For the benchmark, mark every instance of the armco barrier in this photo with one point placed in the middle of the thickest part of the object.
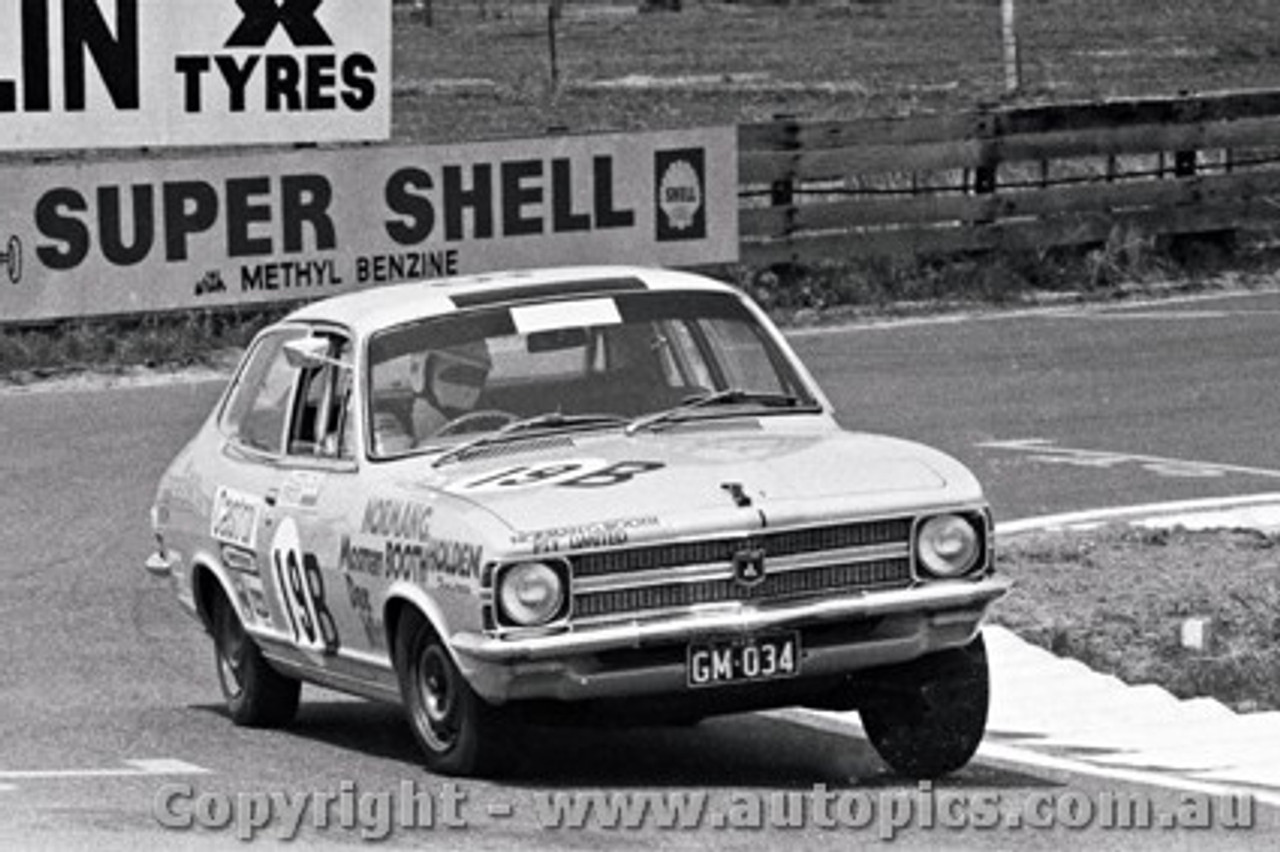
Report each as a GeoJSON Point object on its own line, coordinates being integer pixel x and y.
{"type": "Point", "coordinates": [999, 178]}
{"type": "Point", "coordinates": [1008, 177]}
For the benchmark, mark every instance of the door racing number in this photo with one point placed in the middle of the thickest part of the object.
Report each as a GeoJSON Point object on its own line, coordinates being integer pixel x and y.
{"type": "Point", "coordinates": [301, 589]}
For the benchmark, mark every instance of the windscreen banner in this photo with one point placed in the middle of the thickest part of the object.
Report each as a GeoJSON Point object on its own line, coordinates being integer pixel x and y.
{"type": "Point", "coordinates": [84, 74]}
{"type": "Point", "coordinates": [121, 237]}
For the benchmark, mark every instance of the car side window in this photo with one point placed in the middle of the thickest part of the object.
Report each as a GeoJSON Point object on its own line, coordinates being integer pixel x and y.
{"type": "Point", "coordinates": [320, 422]}
{"type": "Point", "coordinates": [259, 403]}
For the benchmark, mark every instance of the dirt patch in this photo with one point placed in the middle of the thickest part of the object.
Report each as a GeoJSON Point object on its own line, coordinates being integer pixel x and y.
{"type": "Point", "coordinates": [1117, 598]}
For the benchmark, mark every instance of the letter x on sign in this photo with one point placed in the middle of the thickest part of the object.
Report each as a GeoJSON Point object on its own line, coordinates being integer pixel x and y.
{"type": "Point", "coordinates": [297, 17]}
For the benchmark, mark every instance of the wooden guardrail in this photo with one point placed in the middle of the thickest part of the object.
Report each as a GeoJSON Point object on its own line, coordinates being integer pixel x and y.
{"type": "Point", "coordinates": [1008, 177]}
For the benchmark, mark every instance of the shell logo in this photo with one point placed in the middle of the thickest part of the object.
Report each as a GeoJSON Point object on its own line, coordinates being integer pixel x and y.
{"type": "Point", "coordinates": [680, 195]}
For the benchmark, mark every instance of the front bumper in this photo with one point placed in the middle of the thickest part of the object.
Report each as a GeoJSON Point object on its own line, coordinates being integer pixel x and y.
{"type": "Point", "coordinates": [886, 627]}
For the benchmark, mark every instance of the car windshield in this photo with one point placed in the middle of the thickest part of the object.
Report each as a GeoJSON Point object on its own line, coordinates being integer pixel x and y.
{"type": "Point", "coordinates": [639, 360]}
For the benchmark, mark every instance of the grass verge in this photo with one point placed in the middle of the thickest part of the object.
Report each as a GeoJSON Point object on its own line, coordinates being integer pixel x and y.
{"type": "Point", "coordinates": [113, 345]}
{"type": "Point", "coordinates": [1115, 598]}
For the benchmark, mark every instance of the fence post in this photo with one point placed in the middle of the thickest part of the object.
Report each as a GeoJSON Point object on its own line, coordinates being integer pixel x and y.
{"type": "Point", "coordinates": [553, 19]}
{"type": "Point", "coordinates": [425, 12]}
{"type": "Point", "coordinates": [782, 192]}
{"type": "Point", "coordinates": [1012, 64]}
{"type": "Point", "coordinates": [985, 175]}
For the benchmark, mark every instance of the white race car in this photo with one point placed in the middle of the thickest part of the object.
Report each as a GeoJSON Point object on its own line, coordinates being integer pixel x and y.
{"type": "Point", "coordinates": [589, 494]}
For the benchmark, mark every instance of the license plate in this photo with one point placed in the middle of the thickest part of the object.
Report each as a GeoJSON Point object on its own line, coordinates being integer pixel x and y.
{"type": "Point", "coordinates": [743, 659]}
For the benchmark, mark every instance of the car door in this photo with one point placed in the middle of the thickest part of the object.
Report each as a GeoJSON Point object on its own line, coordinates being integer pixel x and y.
{"type": "Point", "coordinates": [309, 513]}
{"type": "Point", "coordinates": [245, 472]}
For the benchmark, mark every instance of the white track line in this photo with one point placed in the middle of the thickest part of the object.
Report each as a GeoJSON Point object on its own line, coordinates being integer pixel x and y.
{"type": "Point", "coordinates": [1146, 510]}
{"type": "Point", "coordinates": [136, 768]}
{"type": "Point", "coordinates": [1016, 756]}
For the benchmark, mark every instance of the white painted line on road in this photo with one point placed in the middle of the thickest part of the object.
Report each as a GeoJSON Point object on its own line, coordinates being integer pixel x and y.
{"type": "Point", "coordinates": [1121, 314]}
{"type": "Point", "coordinates": [6, 788]}
{"type": "Point", "coordinates": [1046, 311]}
{"type": "Point", "coordinates": [136, 768]}
{"type": "Point", "coordinates": [1226, 774]}
{"type": "Point", "coordinates": [1145, 510]}
{"type": "Point", "coordinates": [1047, 452]}
{"type": "Point", "coordinates": [848, 723]}
{"type": "Point", "coordinates": [1130, 314]}
{"type": "Point", "coordinates": [1025, 757]}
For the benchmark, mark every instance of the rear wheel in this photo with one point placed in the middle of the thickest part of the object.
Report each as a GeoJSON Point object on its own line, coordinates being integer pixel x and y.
{"type": "Point", "coordinates": [257, 696]}
{"type": "Point", "coordinates": [933, 717]}
{"type": "Point", "coordinates": [458, 731]}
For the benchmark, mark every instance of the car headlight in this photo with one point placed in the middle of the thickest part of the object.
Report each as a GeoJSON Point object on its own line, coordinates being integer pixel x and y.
{"type": "Point", "coordinates": [948, 545]}
{"type": "Point", "coordinates": [530, 593]}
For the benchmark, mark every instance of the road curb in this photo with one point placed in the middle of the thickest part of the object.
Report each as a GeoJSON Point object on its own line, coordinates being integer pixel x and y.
{"type": "Point", "coordinates": [1055, 714]}
{"type": "Point", "coordinates": [1253, 511]}
{"type": "Point", "coordinates": [1130, 732]}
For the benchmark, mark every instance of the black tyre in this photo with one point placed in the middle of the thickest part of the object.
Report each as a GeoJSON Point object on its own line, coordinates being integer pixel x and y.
{"type": "Point", "coordinates": [458, 731]}
{"type": "Point", "coordinates": [933, 718]}
{"type": "Point", "coordinates": [257, 695]}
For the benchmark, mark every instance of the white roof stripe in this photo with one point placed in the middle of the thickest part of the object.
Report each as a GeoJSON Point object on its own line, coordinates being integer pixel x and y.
{"type": "Point", "coordinates": [377, 307]}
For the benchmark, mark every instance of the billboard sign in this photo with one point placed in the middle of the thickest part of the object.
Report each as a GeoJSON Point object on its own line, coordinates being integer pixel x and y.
{"type": "Point", "coordinates": [136, 73]}
{"type": "Point", "coordinates": [116, 237]}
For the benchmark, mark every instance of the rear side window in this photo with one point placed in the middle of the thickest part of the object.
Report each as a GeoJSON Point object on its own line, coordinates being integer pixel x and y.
{"type": "Point", "coordinates": [258, 406]}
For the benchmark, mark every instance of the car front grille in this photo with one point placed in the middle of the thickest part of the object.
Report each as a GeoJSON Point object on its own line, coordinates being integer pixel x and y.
{"type": "Point", "coordinates": [800, 563]}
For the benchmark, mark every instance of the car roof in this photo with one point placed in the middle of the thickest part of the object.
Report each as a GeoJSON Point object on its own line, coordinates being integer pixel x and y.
{"type": "Point", "coordinates": [367, 311]}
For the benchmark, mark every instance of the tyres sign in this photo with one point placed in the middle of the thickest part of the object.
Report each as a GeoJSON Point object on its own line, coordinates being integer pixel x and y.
{"type": "Point", "coordinates": [130, 73]}
{"type": "Point", "coordinates": [116, 236]}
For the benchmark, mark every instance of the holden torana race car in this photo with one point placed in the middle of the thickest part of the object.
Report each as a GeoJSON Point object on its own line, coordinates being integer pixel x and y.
{"type": "Point", "coordinates": [598, 494]}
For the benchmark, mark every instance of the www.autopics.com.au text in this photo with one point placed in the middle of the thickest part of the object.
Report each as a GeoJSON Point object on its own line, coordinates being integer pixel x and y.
{"type": "Point", "coordinates": [375, 815]}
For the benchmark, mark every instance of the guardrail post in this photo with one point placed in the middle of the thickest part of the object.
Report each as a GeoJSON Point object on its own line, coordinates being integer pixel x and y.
{"type": "Point", "coordinates": [782, 192]}
{"type": "Point", "coordinates": [985, 174]}
{"type": "Point", "coordinates": [1009, 36]}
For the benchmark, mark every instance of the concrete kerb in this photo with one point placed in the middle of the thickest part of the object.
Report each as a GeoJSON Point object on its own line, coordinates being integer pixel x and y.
{"type": "Point", "coordinates": [1137, 734]}
{"type": "Point", "coordinates": [1254, 511]}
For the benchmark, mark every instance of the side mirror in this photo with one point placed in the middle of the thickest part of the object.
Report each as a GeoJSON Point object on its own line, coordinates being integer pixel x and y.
{"type": "Point", "coordinates": [309, 352]}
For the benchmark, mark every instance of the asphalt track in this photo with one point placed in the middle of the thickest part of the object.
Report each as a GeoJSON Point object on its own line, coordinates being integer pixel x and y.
{"type": "Point", "coordinates": [107, 692]}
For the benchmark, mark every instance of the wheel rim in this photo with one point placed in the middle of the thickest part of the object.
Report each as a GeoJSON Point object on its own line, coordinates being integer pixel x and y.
{"type": "Point", "coordinates": [231, 646]}
{"type": "Point", "coordinates": [436, 690]}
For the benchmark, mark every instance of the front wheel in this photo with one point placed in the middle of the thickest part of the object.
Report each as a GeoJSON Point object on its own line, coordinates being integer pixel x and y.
{"type": "Point", "coordinates": [934, 714]}
{"type": "Point", "coordinates": [257, 696]}
{"type": "Point", "coordinates": [458, 731]}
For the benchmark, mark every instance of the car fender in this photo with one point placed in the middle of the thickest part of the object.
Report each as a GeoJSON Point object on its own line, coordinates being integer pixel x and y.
{"type": "Point", "coordinates": [412, 595]}
{"type": "Point", "coordinates": [206, 562]}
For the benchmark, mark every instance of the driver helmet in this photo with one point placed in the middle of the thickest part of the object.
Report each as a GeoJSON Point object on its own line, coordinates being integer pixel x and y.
{"type": "Point", "coordinates": [452, 378]}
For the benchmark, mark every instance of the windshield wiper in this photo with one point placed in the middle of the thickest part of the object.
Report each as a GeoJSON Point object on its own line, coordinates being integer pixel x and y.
{"type": "Point", "coordinates": [727, 396]}
{"type": "Point", "coordinates": [549, 419]}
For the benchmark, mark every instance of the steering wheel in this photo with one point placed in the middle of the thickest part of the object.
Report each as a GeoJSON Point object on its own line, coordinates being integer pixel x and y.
{"type": "Point", "coordinates": [467, 422]}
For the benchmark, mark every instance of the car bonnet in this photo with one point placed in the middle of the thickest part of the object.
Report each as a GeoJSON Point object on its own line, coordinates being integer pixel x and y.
{"type": "Point", "coordinates": [704, 480]}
